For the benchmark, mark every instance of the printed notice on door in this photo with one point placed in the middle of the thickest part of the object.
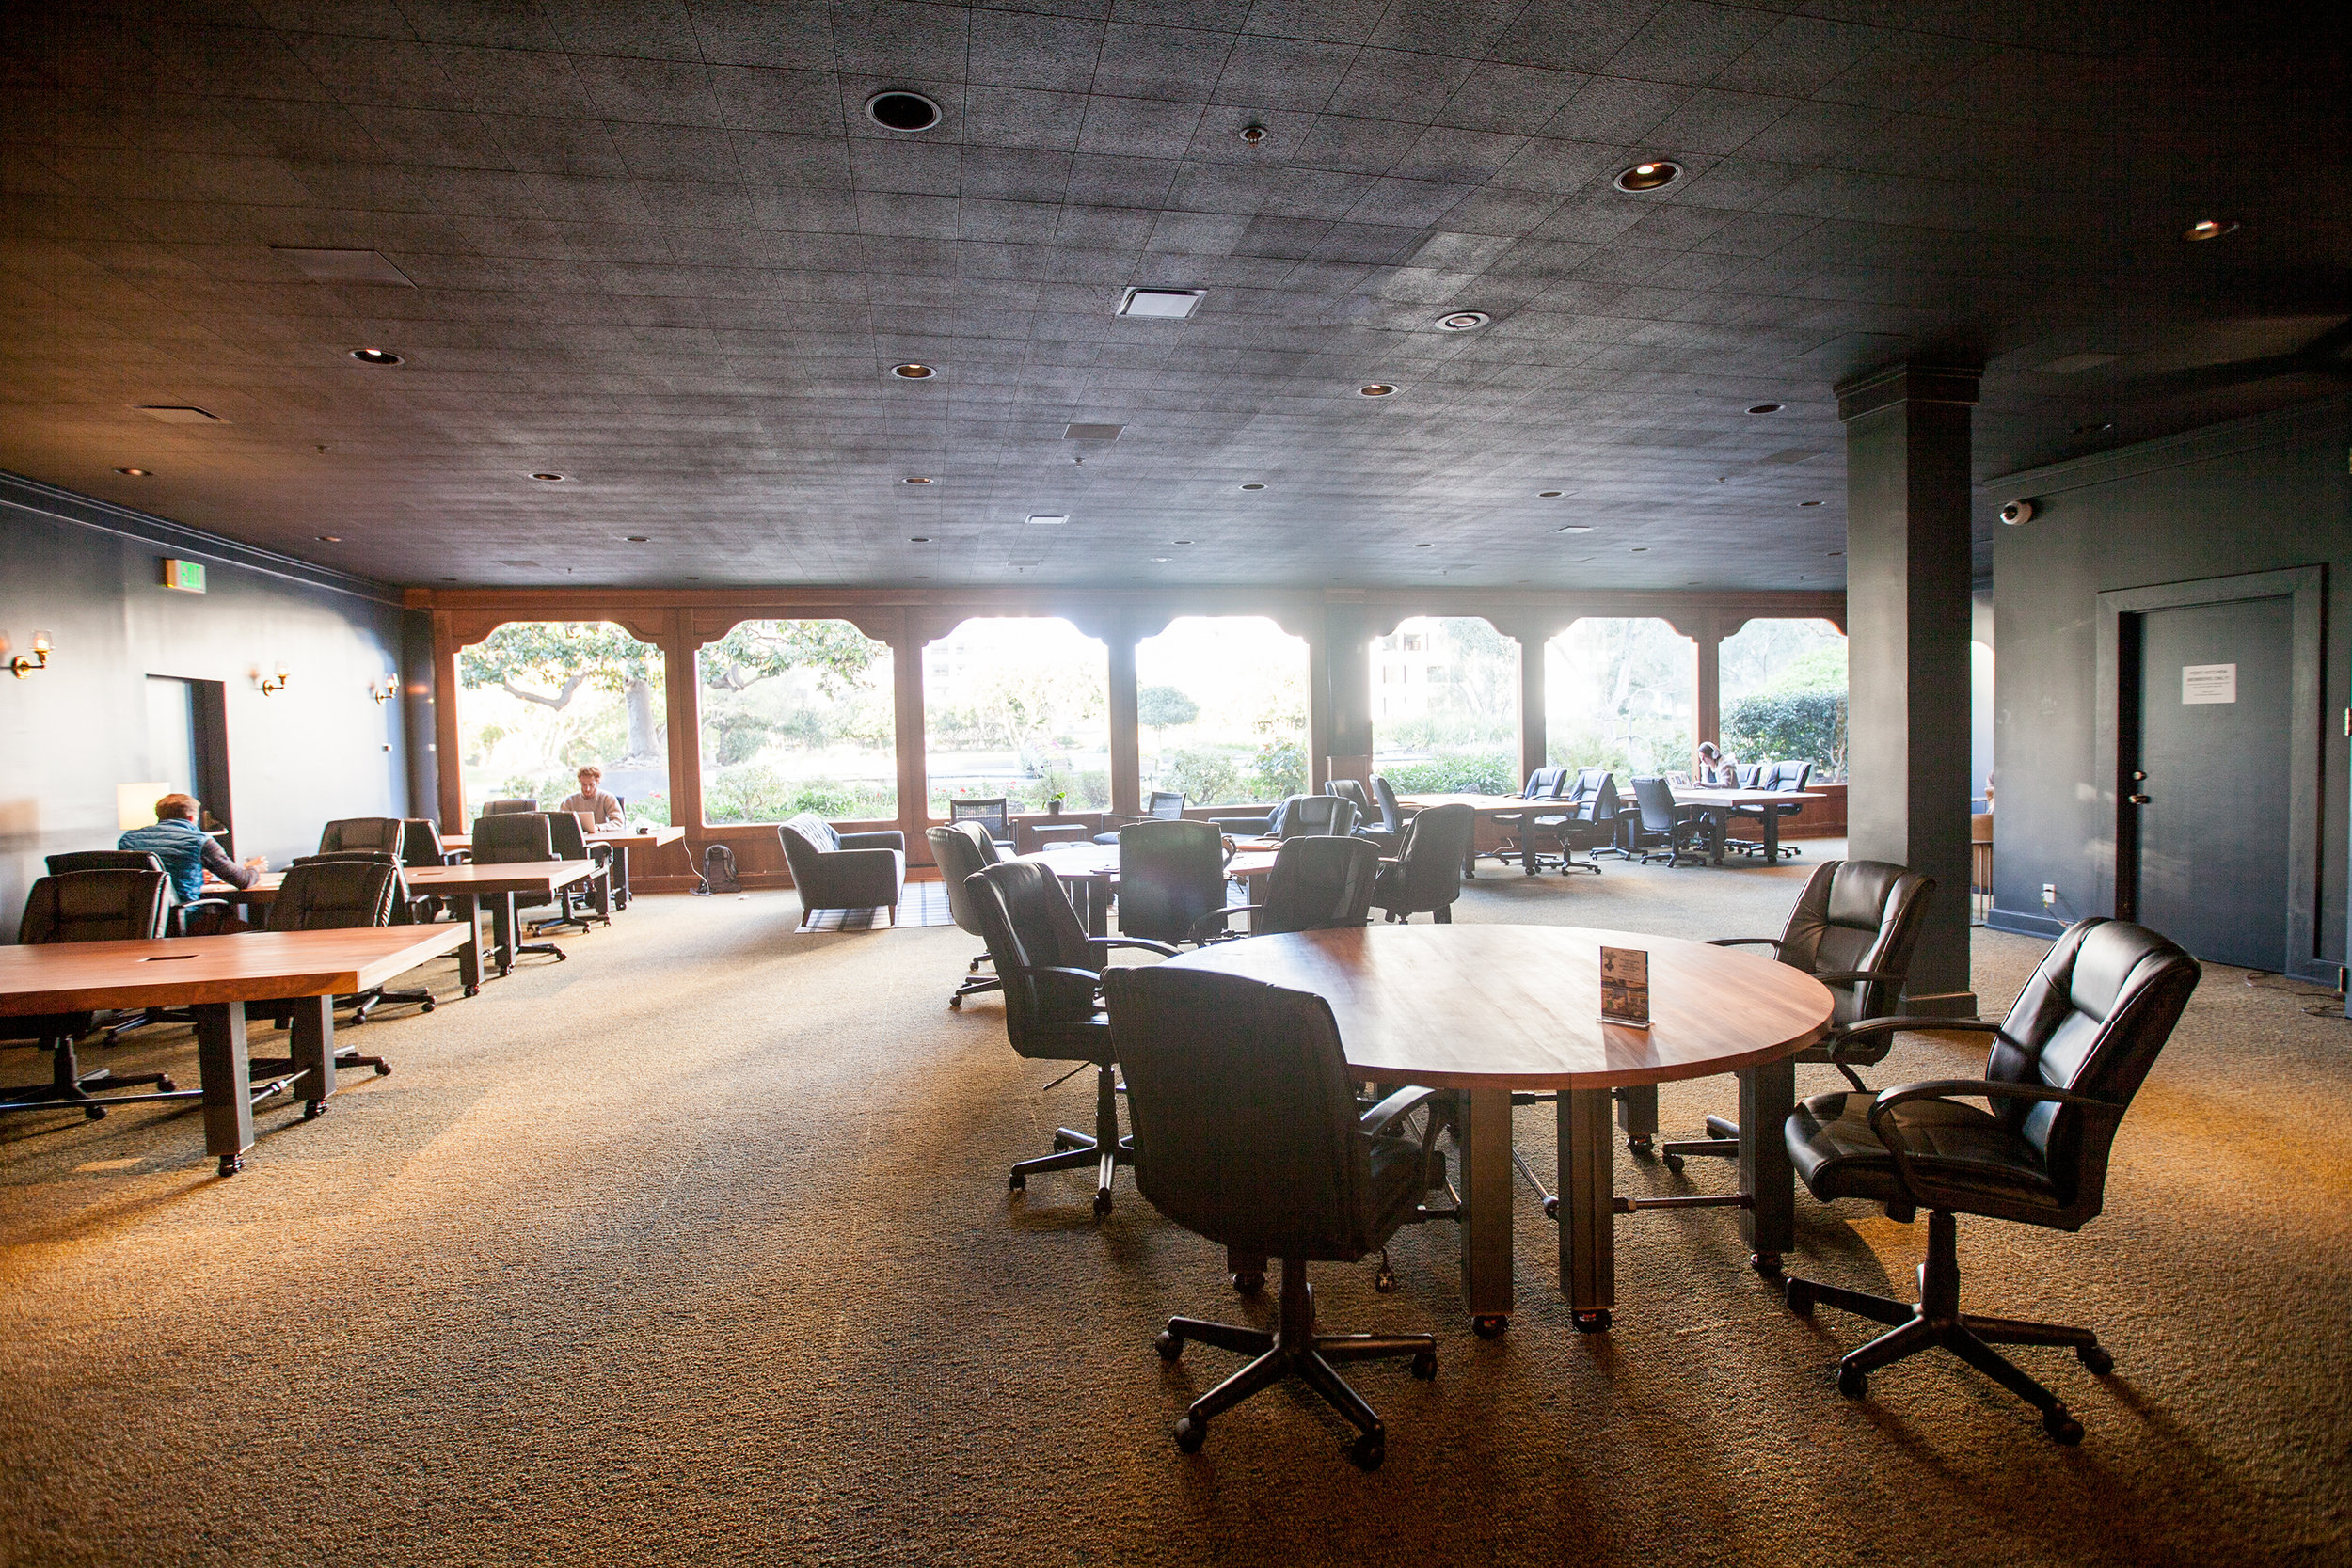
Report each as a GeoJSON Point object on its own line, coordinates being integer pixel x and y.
{"type": "Point", "coordinates": [1625, 987]}
{"type": "Point", "coordinates": [2208, 683]}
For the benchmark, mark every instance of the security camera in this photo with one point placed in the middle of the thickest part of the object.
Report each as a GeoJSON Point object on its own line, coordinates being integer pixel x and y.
{"type": "Point", "coordinates": [2016, 513]}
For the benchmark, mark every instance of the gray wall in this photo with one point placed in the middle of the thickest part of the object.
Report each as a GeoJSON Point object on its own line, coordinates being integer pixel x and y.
{"type": "Point", "coordinates": [2254, 495]}
{"type": "Point", "coordinates": [89, 574]}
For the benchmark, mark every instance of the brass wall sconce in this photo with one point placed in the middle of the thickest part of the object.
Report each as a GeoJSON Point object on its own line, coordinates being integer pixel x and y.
{"type": "Point", "coordinates": [21, 665]}
{"type": "Point", "coordinates": [272, 687]}
{"type": "Point", "coordinates": [384, 693]}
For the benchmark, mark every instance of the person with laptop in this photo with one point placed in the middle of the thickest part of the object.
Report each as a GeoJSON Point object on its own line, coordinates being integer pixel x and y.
{"type": "Point", "coordinates": [187, 850]}
{"type": "Point", "coordinates": [592, 803]}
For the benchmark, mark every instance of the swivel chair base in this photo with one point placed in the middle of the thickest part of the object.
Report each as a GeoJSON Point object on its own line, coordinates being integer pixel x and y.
{"type": "Point", "coordinates": [70, 1084]}
{"type": "Point", "coordinates": [1937, 1320]}
{"type": "Point", "coordinates": [1295, 1347]}
{"type": "Point", "coordinates": [1074, 1150]}
{"type": "Point", "coordinates": [974, 983]}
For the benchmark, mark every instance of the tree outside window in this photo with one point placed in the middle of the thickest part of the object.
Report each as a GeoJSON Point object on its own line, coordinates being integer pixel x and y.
{"type": "Point", "coordinates": [537, 700]}
{"type": "Point", "coordinates": [1445, 707]}
{"type": "Point", "coordinates": [797, 716]}
{"type": "Point", "coordinates": [1784, 695]}
{"type": "Point", "coordinates": [1018, 707]}
{"type": "Point", "coordinates": [1620, 693]}
{"type": "Point", "coordinates": [1222, 704]}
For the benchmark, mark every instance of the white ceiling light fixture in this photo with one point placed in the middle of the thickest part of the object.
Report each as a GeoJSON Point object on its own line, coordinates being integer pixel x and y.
{"type": "Point", "coordinates": [1575, 527]}
{"type": "Point", "coordinates": [1048, 519]}
{"type": "Point", "coordinates": [1160, 304]}
{"type": "Point", "coordinates": [896, 109]}
{"type": "Point", "coordinates": [1463, 321]}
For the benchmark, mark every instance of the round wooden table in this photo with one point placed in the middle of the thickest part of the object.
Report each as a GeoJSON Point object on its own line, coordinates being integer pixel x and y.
{"type": "Point", "coordinates": [1487, 1009]}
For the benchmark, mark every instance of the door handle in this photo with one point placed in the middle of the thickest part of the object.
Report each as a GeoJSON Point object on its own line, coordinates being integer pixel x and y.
{"type": "Point", "coordinates": [2140, 799]}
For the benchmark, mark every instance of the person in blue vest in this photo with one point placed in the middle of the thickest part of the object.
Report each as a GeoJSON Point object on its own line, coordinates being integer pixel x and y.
{"type": "Point", "coordinates": [187, 850]}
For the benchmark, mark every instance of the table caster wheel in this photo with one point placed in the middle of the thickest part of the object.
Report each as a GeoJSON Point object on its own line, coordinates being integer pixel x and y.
{"type": "Point", "coordinates": [313, 1109]}
{"type": "Point", "coordinates": [1425, 1366]}
{"type": "Point", "coordinates": [1671, 1161]}
{"type": "Point", "coordinates": [1765, 1263]}
{"type": "Point", "coordinates": [1640, 1149]}
{"type": "Point", "coordinates": [1490, 1327]}
{"type": "Point", "coordinates": [1101, 1204]}
{"type": "Point", "coordinates": [1191, 1432]}
{"type": "Point", "coordinates": [1591, 1323]}
{"type": "Point", "coordinates": [1367, 1451]}
{"type": "Point", "coordinates": [1798, 1295]}
{"type": "Point", "coordinates": [383, 1070]}
{"type": "Point", "coordinates": [94, 1113]}
{"type": "Point", "coordinates": [1017, 1182]}
{"type": "Point", "coordinates": [2096, 1359]}
{"type": "Point", "coordinates": [1168, 1344]}
{"type": "Point", "coordinates": [232, 1163]}
{"type": "Point", "coordinates": [1248, 1284]}
{"type": "Point", "coordinates": [2062, 1427]}
{"type": "Point", "coordinates": [1852, 1382]}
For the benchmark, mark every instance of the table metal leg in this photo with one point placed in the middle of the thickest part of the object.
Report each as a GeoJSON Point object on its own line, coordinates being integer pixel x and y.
{"type": "Point", "coordinates": [469, 956]}
{"type": "Point", "coordinates": [313, 1035]}
{"type": "Point", "coordinates": [620, 875]}
{"type": "Point", "coordinates": [1771, 835]}
{"type": "Point", "coordinates": [220, 1058]}
{"type": "Point", "coordinates": [502, 931]}
{"type": "Point", "coordinates": [1769, 1222]}
{"type": "Point", "coordinates": [1588, 1238]}
{"type": "Point", "coordinates": [1485, 1139]}
{"type": "Point", "coordinates": [1098, 898]}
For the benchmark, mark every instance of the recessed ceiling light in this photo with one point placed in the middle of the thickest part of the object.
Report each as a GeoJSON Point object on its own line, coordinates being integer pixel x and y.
{"type": "Point", "coordinates": [914, 479]}
{"type": "Point", "coordinates": [1463, 321]}
{"type": "Point", "coordinates": [922, 577]}
{"type": "Point", "coordinates": [548, 479]}
{"type": "Point", "coordinates": [330, 538]}
{"type": "Point", "coordinates": [1808, 504]}
{"type": "Point", "coordinates": [1654, 176]}
{"type": "Point", "coordinates": [901, 110]}
{"type": "Point", "coordinates": [1254, 486]}
{"type": "Point", "coordinates": [918, 538]}
{"type": "Point", "coordinates": [1549, 495]}
{"type": "Point", "coordinates": [134, 473]}
{"type": "Point", "coordinates": [1160, 304]}
{"type": "Point", "coordinates": [1049, 519]}
{"type": "Point", "coordinates": [1764, 408]}
{"type": "Point", "coordinates": [1160, 560]}
{"type": "Point", "coordinates": [691, 578]}
{"type": "Point", "coordinates": [1575, 527]}
{"type": "Point", "coordinates": [1835, 553]}
{"type": "Point", "coordinates": [1253, 134]}
{"type": "Point", "coordinates": [1180, 540]}
{"type": "Point", "coordinates": [912, 371]}
{"type": "Point", "coordinates": [2209, 228]}
{"type": "Point", "coordinates": [375, 357]}
{"type": "Point", "coordinates": [1377, 389]}
{"type": "Point", "coordinates": [1640, 550]}
{"type": "Point", "coordinates": [449, 579]}
{"type": "Point", "coordinates": [633, 538]}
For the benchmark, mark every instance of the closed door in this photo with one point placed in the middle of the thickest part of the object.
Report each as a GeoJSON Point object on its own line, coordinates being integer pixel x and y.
{"type": "Point", "coordinates": [2215, 684]}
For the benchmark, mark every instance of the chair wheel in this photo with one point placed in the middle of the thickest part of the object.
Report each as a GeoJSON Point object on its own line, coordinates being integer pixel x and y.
{"type": "Point", "coordinates": [383, 1070]}
{"type": "Point", "coordinates": [1017, 1182]}
{"type": "Point", "coordinates": [1425, 1366]}
{"type": "Point", "coordinates": [1552, 1207]}
{"type": "Point", "coordinates": [562, 958]}
{"type": "Point", "coordinates": [1191, 1432]}
{"type": "Point", "coordinates": [1169, 1345]}
{"type": "Point", "coordinates": [1591, 1323]}
{"type": "Point", "coordinates": [165, 1085]}
{"type": "Point", "coordinates": [428, 1005]}
{"type": "Point", "coordinates": [1384, 1280]}
{"type": "Point", "coordinates": [1852, 1382]}
{"type": "Point", "coordinates": [1798, 1295]}
{"type": "Point", "coordinates": [2062, 1427]}
{"type": "Point", "coordinates": [1490, 1327]}
{"type": "Point", "coordinates": [94, 1113]}
{"type": "Point", "coordinates": [1101, 1204]}
{"type": "Point", "coordinates": [1641, 1147]}
{"type": "Point", "coordinates": [1248, 1284]}
{"type": "Point", "coordinates": [312, 1110]}
{"type": "Point", "coordinates": [1367, 1451]}
{"type": "Point", "coordinates": [955, 1003]}
{"type": "Point", "coordinates": [2096, 1359]}
{"type": "Point", "coordinates": [1671, 1161]}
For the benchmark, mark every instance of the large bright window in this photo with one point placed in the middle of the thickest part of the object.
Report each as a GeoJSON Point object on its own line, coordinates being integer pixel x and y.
{"type": "Point", "coordinates": [1221, 709]}
{"type": "Point", "coordinates": [1784, 695]}
{"type": "Point", "coordinates": [537, 700]}
{"type": "Point", "coordinates": [1445, 707]}
{"type": "Point", "coordinates": [797, 716]}
{"type": "Point", "coordinates": [1620, 693]}
{"type": "Point", "coordinates": [1018, 707]}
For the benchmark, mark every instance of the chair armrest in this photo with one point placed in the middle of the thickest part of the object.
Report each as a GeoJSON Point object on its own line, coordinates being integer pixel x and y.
{"type": "Point", "coordinates": [1745, 942]}
{"type": "Point", "coordinates": [1974, 1088]}
{"type": "Point", "coordinates": [1852, 976]}
{"type": "Point", "coordinates": [1409, 1098]}
{"type": "Point", "coordinates": [1058, 971]}
{"type": "Point", "coordinates": [886, 838]}
{"type": "Point", "coordinates": [1163, 949]}
{"type": "Point", "coordinates": [1903, 1021]}
{"type": "Point", "coordinates": [1215, 918]}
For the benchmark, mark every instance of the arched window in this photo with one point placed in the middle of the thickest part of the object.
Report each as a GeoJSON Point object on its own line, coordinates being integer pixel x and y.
{"type": "Point", "coordinates": [1620, 693]}
{"type": "Point", "coordinates": [1445, 707]}
{"type": "Point", "coordinates": [539, 699]}
{"type": "Point", "coordinates": [797, 716]}
{"type": "Point", "coordinates": [1784, 695]}
{"type": "Point", "coordinates": [1017, 707]}
{"type": "Point", "coordinates": [1221, 709]}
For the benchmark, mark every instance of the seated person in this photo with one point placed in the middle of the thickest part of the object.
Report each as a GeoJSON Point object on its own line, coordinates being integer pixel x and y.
{"type": "Point", "coordinates": [187, 850]}
{"type": "Point", "coordinates": [599, 807]}
{"type": "Point", "coordinates": [1718, 769]}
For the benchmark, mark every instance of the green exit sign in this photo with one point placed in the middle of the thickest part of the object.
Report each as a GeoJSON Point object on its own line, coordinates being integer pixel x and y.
{"type": "Point", "coordinates": [185, 575]}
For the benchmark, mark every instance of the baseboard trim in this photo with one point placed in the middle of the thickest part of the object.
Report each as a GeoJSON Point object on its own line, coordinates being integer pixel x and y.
{"type": "Point", "coordinates": [2020, 924]}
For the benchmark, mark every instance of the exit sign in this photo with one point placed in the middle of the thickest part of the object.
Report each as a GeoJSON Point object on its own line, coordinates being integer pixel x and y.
{"type": "Point", "coordinates": [185, 575]}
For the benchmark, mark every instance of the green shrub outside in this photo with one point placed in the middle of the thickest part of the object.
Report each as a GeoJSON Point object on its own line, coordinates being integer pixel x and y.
{"type": "Point", "coordinates": [1790, 726]}
{"type": "Point", "coordinates": [754, 792]}
{"type": "Point", "coordinates": [1490, 772]}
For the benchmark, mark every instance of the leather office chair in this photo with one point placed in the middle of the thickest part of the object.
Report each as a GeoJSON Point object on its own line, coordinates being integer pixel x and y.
{"type": "Point", "coordinates": [1301, 814]}
{"type": "Point", "coordinates": [1747, 774]}
{"type": "Point", "coordinates": [1170, 875]}
{"type": "Point", "coordinates": [1050, 971]}
{"type": "Point", "coordinates": [1427, 876]}
{"type": "Point", "coordinates": [1853, 928]}
{"type": "Point", "coordinates": [177, 916]}
{"type": "Point", "coordinates": [420, 843]}
{"type": "Point", "coordinates": [1248, 1132]}
{"type": "Point", "coordinates": [338, 893]}
{"type": "Point", "coordinates": [595, 894]}
{"type": "Point", "coordinates": [1591, 822]}
{"type": "Point", "coordinates": [959, 849]}
{"type": "Point", "coordinates": [1317, 885]}
{"type": "Point", "coordinates": [406, 910]}
{"type": "Point", "coordinates": [1355, 795]}
{"type": "Point", "coordinates": [834, 870]}
{"type": "Point", "coordinates": [116, 904]}
{"type": "Point", "coordinates": [2061, 1071]}
{"type": "Point", "coordinates": [1664, 829]}
{"type": "Point", "coordinates": [1162, 805]}
{"type": "Point", "coordinates": [1389, 825]}
{"type": "Point", "coordinates": [386, 833]}
{"type": "Point", "coordinates": [1544, 784]}
{"type": "Point", "coordinates": [990, 811]}
{"type": "Point", "coordinates": [1789, 777]}
{"type": "Point", "coordinates": [517, 838]}
{"type": "Point", "coordinates": [509, 807]}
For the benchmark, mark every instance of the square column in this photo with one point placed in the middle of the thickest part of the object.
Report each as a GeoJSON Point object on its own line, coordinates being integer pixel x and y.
{"type": "Point", "coordinates": [1907, 596]}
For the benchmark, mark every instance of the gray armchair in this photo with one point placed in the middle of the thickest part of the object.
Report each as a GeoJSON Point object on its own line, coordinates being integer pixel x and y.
{"type": "Point", "coordinates": [843, 871]}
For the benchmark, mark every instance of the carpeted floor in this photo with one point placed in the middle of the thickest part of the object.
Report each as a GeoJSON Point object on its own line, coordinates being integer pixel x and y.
{"type": "Point", "coordinates": [696, 1249]}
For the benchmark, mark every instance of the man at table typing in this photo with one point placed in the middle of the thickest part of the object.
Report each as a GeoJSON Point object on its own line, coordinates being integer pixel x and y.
{"type": "Point", "coordinates": [187, 850]}
{"type": "Point", "coordinates": [592, 802]}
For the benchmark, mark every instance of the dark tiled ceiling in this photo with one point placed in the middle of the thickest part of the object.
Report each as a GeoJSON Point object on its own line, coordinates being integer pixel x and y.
{"type": "Point", "coordinates": [657, 247]}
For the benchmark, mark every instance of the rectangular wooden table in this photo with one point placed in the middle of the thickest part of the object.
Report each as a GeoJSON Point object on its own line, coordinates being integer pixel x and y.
{"type": "Point", "coordinates": [1719, 804]}
{"type": "Point", "coordinates": [466, 887]}
{"type": "Point", "coordinates": [1495, 806]}
{"type": "Point", "coordinates": [216, 977]}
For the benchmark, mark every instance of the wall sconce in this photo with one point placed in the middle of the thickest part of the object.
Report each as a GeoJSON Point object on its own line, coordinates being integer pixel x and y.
{"type": "Point", "coordinates": [271, 688]}
{"type": "Point", "coordinates": [22, 665]}
{"type": "Point", "coordinates": [386, 692]}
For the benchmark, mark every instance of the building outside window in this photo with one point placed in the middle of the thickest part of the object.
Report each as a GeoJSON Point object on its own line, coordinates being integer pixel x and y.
{"type": "Point", "coordinates": [1445, 707]}
{"type": "Point", "coordinates": [797, 716]}
{"type": "Point", "coordinates": [537, 700]}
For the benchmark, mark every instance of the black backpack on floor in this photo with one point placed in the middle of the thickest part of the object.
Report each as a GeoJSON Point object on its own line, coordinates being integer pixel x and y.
{"type": "Point", "coordinates": [719, 871]}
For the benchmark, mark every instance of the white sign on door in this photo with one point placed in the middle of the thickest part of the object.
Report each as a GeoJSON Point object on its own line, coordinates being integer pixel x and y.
{"type": "Point", "coordinates": [2208, 683]}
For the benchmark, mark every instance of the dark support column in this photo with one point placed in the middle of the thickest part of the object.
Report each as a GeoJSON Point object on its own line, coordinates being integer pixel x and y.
{"type": "Point", "coordinates": [1126, 748]}
{"type": "Point", "coordinates": [1349, 669]}
{"type": "Point", "coordinates": [1907, 582]}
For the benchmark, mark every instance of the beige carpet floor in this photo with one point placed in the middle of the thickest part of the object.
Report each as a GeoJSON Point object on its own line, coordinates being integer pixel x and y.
{"type": "Point", "coordinates": [697, 1249]}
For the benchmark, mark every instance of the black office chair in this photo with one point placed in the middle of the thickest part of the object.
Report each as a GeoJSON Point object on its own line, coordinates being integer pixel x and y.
{"type": "Point", "coordinates": [1318, 885]}
{"type": "Point", "coordinates": [1050, 971]}
{"type": "Point", "coordinates": [1853, 928]}
{"type": "Point", "coordinates": [1163, 805]}
{"type": "Point", "coordinates": [1248, 1132]}
{"type": "Point", "coordinates": [570, 843]}
{"type": "Point", "coordinates": [1355, 794]}
{"type": "Point", "coordinates": [1299, 816]}
{"type": "Point", "coordinates": [1519, 841]}
{"type": "Point", "coordinates": [959, 849]}
{"type": "Point", "coordinates": [517, 838]}
{"type": "Point", "coordinates": [1746, 773]}
{"type": "Point", "coordinates": [177, 916]}
{"type": "Point", "coordinates": [1425, 878]}
{"type": "Point", "coordinates": [990, 811]}
{"type": "Point", "coordinates": [386, 833]}
{"type": "Point", "coordinates": [338, 892]}
{"type": "Point", "coordinates": [1390, 825]}
{"type": "Point", "coordinates": [1591, 822]}
{"type": "Point", "coordinates": [1666, 831]}
{"type": "Point", "coordinates": [2061, 1071]}
{"type": "Point", "coordinates": [1789, 777]}
{"type": "Point", "coordinates": [1170, 875]}
{"type": "Point", "coordinates": [113, 904]}
{"type": "Point", "coordinates": [509, 807]}
{"type": "Point", "coordinates": [408, 909]}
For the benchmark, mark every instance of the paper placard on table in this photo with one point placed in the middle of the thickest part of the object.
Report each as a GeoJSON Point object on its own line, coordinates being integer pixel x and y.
{"type": "Point", "coordinates": [2208, 683]}
{"type": "Point", "coordinates": [1625, 987]}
